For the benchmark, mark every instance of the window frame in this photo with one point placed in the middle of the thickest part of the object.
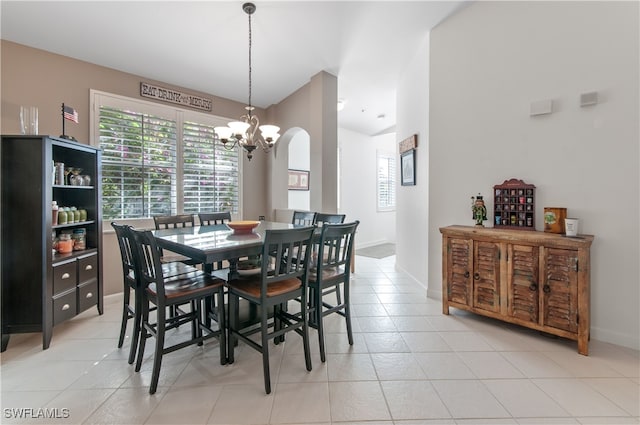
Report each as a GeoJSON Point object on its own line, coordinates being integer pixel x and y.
{"type": "Point", "coordinates": [171, 112]}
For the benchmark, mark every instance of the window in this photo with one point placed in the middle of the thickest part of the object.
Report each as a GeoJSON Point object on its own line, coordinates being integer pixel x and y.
{"type": "Point", "coordinates": [386, 181]}
{"type": "Point", "coordinates": [210, 172]}
{"type": "Point", "coordinates": [159, 160]}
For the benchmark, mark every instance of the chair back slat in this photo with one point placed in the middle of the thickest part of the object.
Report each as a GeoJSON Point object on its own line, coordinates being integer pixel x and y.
{"type": "Point", "coordinates": [207, 219]}
{"type": "Point", "coordinates": [291, 249]}
{"type": "Point", "coordinates": [303, 218]}
{"type": "Point", "coordinates": [173, 221]}
{"type": "Point", "coordinates": [148, 260]}
{"type": "Point", "coordinates": [126, 253]}
{"type": "Point", "coordinates": [336, 246]}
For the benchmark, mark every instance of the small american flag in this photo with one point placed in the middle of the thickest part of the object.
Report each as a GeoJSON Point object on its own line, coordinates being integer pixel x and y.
{"type": "Point", "coordinates": [70, 114]}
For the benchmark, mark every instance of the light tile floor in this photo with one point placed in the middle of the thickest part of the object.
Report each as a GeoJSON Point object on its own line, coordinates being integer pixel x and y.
{"type": "Point", "coordinates": [410, 364]}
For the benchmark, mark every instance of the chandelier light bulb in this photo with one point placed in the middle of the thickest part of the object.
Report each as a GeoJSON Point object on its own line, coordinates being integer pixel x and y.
{"type": "Point", "coordinates": [270, 132]}
{"type": "Point", "coordinates": [238, 127]}
{"type": "Point", "coordinates": [223, 133]}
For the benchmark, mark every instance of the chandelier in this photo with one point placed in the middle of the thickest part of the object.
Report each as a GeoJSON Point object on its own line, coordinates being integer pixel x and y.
{"type": "Point", "coordinates": [243, 132]}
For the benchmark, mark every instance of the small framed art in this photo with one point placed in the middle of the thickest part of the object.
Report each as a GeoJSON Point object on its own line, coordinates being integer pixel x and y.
{"type": "Point", "coordinates": [408, 168]}
{"type": "Point", "coordinates": [298, 180]}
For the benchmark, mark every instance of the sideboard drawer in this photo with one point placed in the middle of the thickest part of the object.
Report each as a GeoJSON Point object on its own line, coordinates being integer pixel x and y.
{"type": "Point", "coordinates": [87, 268]}
{"type": "Point", "coordinates": [87, 295]}
{"type": "Point", "coordinates": [64, 306]}
{"type": "Point", "coordinates": [64, 277]}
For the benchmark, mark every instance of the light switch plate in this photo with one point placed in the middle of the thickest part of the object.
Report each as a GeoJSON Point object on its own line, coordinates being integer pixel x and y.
{"type": "Point", "coordinates": [590, 98]}
{"type": "Point", "coordinates": [541, 107]}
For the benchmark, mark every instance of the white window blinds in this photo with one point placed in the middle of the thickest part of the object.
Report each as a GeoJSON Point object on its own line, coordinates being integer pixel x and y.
{"type": "Point", "coordinates": [210, 172]}
{"type": "Point", "coordinates": [138, 164]}
{"type": "Point", "coordinates": [386, 181]}
{"type": "Point", "coordinates": [158, 160]}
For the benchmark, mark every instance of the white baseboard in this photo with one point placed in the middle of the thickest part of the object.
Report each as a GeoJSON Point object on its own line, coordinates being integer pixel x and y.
{"type": "Point", "coordinates": [400, 269]}
{"type": "Point", "coordinates": [617, 338]}
{"type": "Point", "coordinates": [368, 244]}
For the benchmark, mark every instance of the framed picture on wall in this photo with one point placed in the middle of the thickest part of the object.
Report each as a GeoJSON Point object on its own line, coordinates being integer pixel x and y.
{"type": "Point", "coordinates": [298, 180]}
{"type": "Point", "coordinates": [408, 168]}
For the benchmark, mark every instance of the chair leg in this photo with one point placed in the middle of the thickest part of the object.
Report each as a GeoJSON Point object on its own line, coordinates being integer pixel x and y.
{"type": "Point", "coordinates": [338, 295]}
{"type": "Point", "coordinates": [208, 307]}
{"type": "Point", "coordinates": [222, 328]}
{"type": "Point", "coordinates": [305, 335]}
{"type": "Point", "coordinates": [125, 315]}
{"type": "Point", "coordinates": [347, 312]}
{"type": "Point", "coordinates": [157, 357]}
{"type": "Point", "coordinates": [317, 294]}
{"type": "Point", "coordinates": [277, 323]}
{"type": "Point", "coordinates": [135, 337]}
{"type": "Point", "coordinates": [196, 313]}
{"type": "Point", "coordinates": [144, 334]}
{"type": "Point", "coordinates": [232, 326]}
{"type": "Point", "coordinates": [264, 325]}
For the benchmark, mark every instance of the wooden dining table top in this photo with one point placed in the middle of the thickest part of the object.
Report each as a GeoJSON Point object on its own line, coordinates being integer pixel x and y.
{"type": "Point", "coordinates": [213, 243]}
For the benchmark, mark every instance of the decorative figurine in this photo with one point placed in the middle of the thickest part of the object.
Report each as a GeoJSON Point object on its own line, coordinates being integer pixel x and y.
{"type": "Point", "coordinates": [479, 210]}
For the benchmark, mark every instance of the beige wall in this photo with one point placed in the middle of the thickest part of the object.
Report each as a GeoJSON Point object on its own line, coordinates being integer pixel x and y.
{"type": "Point", "coordinates": [313, 108]}
{"type": "Point", "coordinates": [38, 78]}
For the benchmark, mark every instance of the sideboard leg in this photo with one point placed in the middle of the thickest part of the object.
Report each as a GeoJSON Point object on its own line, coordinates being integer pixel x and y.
{"type": "Point", "coordinates": [5, 342]}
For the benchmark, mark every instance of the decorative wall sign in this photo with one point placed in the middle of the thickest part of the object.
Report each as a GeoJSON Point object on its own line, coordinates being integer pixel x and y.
{"type": "Point", "coordinates": [173, 96]}
{"type": "Point", "coordinates": [298, 180]}
{"type": "Point", "coordinates": [408, 143]}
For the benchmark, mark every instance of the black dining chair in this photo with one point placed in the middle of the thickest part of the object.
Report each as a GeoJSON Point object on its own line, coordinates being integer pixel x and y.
{"type": "Point", "coordinates": [279, 282]}
{"type": "Point", "coordinates": [303, 218]}
{"type": "Point", "coordinates": [132, 284]}
{"type": "Point", "coordinates": [330, 273]}
{"type": "Point", "coordinates": [165, 292]}
{"type": "Point", "coordinates": [207, 219]}
{"type": "Point", "coordinates": [174, 222]}
{"type": "Point", "coordinates": [213, 218]}
{"type": "Point", "coordinates": [322, 218]}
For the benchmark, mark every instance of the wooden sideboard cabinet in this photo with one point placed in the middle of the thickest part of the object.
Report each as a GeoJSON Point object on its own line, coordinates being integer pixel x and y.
{"type": "Point", "coordinates": [41, 287]}
{"type": "Point", "coordinates": [533, 279]}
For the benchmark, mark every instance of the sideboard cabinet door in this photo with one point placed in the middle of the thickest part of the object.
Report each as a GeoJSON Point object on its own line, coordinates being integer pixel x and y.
{"type": "Point", "coordinates": [486, 276]}
{"type": "Point", "coordinates": [560, 289]}
{"type": "Point", "coordinates": [459, 258]}
{"type": "Point", "coordinates": [523, 286]}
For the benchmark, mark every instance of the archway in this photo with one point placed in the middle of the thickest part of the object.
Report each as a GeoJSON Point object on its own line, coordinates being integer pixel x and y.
{"type": "Point", "coordinates": [299, 159]}
{"type": "Point", "coordinates": [300, 140]}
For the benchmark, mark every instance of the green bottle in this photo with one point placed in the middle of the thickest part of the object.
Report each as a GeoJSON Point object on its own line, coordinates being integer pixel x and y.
{"type": "Point", "coordinates": [62, 216]}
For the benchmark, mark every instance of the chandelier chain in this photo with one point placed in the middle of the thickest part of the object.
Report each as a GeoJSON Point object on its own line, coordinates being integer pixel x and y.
{"type": "Point", "coordinates": [250, 43]}
{"type": "Point", "coordinates": [243, 133]}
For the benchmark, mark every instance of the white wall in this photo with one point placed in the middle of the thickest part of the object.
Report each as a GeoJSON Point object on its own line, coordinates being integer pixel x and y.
{"type": "Point", "coordinates": [299, 159]}
{"type": "Point", "coordinates": [358, 196]}
{"type": "Point", "coordinates": [488, 63]}
{"type": "Point", "coordinates": [413, 201]}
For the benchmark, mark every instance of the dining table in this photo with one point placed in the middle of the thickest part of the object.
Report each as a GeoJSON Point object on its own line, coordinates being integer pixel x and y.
{"type": "Point", "coordinates": [213, 243]}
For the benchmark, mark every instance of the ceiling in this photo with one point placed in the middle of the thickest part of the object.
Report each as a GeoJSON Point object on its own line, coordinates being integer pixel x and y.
{"type": "Point", "coordinates": [203, 45]}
